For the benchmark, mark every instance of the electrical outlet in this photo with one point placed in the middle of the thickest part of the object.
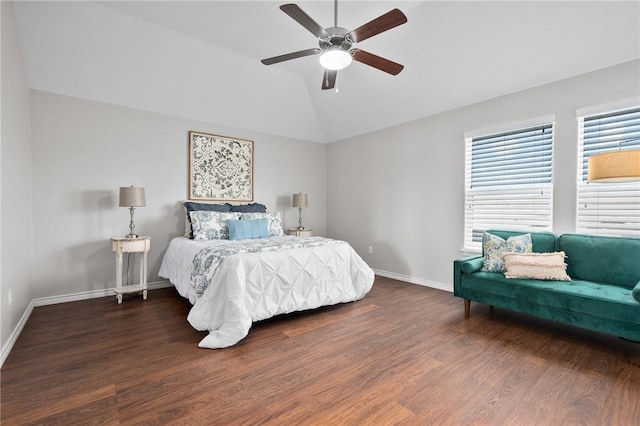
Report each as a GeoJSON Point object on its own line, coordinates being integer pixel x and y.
{"type": "Point", "coordinates": [10, 296]}
{"type": "Point", "coordinates": [370, 249]}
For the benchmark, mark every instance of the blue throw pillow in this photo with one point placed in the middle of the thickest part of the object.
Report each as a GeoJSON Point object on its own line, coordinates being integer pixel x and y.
{"type": "Point", "coordinates": [246, 229]}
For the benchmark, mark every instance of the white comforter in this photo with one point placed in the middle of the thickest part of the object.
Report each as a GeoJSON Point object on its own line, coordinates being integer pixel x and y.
{"type": "Point", "coordinates": [251, 287]}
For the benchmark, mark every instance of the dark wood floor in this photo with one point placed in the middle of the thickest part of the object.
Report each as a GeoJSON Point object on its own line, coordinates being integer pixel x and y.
{"type": "Point", "coordinates": [403, 355]}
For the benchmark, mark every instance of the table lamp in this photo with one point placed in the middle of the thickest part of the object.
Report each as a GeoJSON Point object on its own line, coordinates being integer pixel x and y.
{"type": "Point", "coordinates": [300, 201]}
{"type": "Point", "coordinates": [132, 197]}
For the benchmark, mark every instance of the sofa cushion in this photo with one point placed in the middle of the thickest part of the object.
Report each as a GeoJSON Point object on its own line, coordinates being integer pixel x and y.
{"type": "Point", "coordinates": [601, 301]}
{"type": "Point", "coordinates": [611, 260]}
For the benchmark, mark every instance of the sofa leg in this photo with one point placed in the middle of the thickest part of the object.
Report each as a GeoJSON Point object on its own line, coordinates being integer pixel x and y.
{"type": "Point", "coordinates": [467, 305]}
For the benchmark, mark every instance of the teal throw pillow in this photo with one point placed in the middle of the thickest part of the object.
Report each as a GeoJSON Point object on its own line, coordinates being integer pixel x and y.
{"type": "Point", "coordinates": [494, 246]}
{"type": "Point", "coordinates": [274, 221]}
{"type": "Point", "coordinates": [248, 229]}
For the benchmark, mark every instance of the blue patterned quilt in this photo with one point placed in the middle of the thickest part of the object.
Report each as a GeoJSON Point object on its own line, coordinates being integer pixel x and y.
{"type": "Point", "coordinates": [207, 260]}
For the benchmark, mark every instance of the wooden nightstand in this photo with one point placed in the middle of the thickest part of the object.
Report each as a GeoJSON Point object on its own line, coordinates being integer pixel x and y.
{"type": "Point", "coordinates": [139, 245]}
{"type": "Point", "coordinates": [306, 232]}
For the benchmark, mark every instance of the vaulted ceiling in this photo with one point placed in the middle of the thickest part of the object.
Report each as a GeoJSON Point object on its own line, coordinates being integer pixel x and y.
{"type": "Point", "coordinates": [201, 59]}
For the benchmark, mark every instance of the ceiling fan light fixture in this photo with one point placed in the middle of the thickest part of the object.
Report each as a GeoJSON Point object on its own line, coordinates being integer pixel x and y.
{"type": "Point", "coordinates": [335, 59]}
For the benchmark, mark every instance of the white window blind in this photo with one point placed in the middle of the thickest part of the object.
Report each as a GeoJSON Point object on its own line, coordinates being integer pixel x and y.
{"type": "Point", "coordinates": [608, 208]}
{"type": "Point", "coordinates": [508, 182]}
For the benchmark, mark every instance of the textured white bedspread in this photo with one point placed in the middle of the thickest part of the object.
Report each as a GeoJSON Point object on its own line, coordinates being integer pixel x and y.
{"type": "Point", "coordinates": [250, 287]}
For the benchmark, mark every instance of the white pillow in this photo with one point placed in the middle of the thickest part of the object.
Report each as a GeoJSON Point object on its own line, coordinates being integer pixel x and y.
{"type": "Point", "coordinates": [208, 225]}
{"type": "Point", "coordinates": [536, 266]}
{"type": "Point", "coordinates": [274, 221]}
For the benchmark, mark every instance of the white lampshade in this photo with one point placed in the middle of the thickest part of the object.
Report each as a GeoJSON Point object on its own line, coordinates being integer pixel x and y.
{"type": "Point", "coordinates": [131, 196]}
{"type": "Point", "coordinates": [299, 200]}
{"type": "Point", "coordinates": [618, 166]}
{"type": "Point", "coordinates": [335, 59]}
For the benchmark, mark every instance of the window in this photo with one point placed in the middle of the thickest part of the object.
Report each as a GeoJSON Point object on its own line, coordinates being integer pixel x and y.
{"type": "Point", "coordinates": [508, 182]}
{"type": "Point", "coordinates": [608, 208]}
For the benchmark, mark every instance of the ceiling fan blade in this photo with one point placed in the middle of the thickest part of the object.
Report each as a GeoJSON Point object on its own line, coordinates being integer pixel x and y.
{"type": "Point", "coordinates": [329, 79]}
{"type": "Point", "coordinates": [292, 55]}
{"type": "Point", "coordinates": [385, 22]}
{"type": "Point", "coordinates": [376, 61]}
{"type": "Point", "coordinates": [303, 19]}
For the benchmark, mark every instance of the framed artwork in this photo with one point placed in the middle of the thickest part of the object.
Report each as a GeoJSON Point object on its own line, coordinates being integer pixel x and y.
{"type": "Point", "coordinates": [220, 168]}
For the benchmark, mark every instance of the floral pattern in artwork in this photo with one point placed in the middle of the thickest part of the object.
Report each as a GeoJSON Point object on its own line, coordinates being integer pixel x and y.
{"type": "Point", "coordinates": [220, 168]}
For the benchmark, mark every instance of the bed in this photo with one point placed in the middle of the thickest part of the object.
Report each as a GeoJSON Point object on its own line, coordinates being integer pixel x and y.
{"type": "Point", "coordinates": [233, 283]}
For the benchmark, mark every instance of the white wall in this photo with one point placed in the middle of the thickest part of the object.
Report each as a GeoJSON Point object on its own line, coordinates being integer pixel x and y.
{"type": "Point", "coordinates": [83, 151]}
{"type": "Point", "coordinates": [401, 190]}
{"type": "Point", "coordinates": [16, 228]}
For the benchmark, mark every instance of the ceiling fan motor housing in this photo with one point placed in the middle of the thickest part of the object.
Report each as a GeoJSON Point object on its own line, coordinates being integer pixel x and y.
{"type": "Point", "coordinates": [337, 39]}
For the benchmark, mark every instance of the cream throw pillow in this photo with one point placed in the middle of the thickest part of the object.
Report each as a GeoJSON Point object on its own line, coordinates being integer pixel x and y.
{"type": "Point", "coordinates": [536, 266]}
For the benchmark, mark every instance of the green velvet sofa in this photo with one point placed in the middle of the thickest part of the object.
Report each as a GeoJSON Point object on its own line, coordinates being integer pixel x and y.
{"type": "Point", "coordinates": [603, 294]}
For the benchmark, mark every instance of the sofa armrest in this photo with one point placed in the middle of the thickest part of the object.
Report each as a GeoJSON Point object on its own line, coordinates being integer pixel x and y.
{"type": "Point", "coordinates": [636, 292]}
{"type": "Point", "coordinates": [466, 265]}
{"type": "Point", "coordinates": [472, 265]}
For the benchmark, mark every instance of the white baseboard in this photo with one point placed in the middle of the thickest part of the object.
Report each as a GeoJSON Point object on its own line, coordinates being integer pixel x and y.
{"type": "Point", "coordinates": [414, 280]}
{"type": "Point", "coordinates": [52, 300]}
{"type": "Point", "coordinates": [13, 337]}
{"type": "Point", "coordinates": [85, 295]}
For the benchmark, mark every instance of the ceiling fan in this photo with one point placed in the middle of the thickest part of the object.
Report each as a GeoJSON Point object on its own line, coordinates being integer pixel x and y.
{"type": "Point", "coordinates": [336, 43]}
